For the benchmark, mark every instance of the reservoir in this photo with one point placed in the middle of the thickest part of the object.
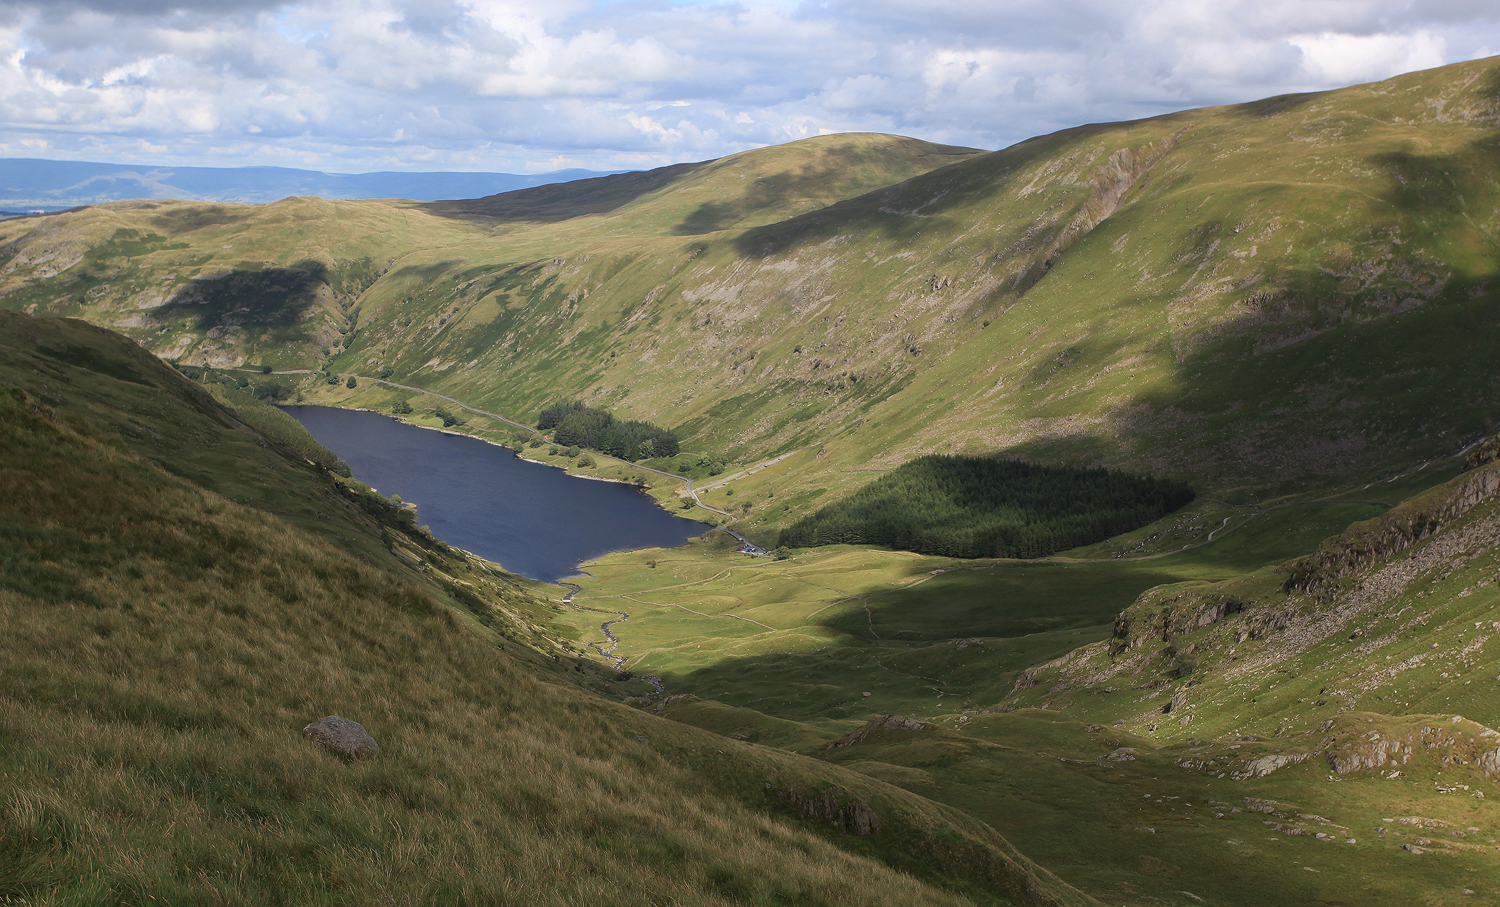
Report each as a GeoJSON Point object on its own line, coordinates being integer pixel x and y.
{"type": "Point", "coordinates": [532, 519]}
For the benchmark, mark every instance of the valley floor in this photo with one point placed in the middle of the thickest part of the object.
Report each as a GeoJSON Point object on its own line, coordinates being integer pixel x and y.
{"type": "Point", "coordinates": [812, 653]}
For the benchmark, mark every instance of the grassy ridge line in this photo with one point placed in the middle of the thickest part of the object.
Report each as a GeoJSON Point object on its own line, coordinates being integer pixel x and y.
{"type": "Point", "coordinates": [1251, 303]}
{"type": "Point", "coordinates": [1057, 384]}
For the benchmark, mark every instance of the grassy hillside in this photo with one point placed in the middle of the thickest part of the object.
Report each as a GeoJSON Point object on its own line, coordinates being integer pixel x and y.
{"type": "Point", "coordinates": [1163, 713]}
{"type": "Point", "coordinates": [1288, 304]}
{"type": "Point", "coordinates": [165, 645]}
{"type": "Point", "coordinates": [1249, 298]}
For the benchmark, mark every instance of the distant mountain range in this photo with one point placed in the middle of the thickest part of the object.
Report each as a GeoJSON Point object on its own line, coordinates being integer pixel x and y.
{"type": "Point", "coordinates": [30, 184]}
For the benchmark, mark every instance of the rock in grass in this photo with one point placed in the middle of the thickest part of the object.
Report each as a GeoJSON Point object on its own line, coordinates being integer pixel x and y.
{"type": "Point", "coordinates": [883, 723]}
{"type": "Point", "coordinates": [342, 736]}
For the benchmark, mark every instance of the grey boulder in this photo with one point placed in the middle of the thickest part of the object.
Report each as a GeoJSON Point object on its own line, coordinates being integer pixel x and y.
{"type": "Point", "coordinates": [342, 736]}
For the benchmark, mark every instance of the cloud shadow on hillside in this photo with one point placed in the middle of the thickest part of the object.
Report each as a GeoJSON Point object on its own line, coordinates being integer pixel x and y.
{"type": "Point", "coordinates": [920, 204]}
{"type": "Point", "coordinates": [563, 201]}
{"type": "Point", "coordinates": [270, 297]}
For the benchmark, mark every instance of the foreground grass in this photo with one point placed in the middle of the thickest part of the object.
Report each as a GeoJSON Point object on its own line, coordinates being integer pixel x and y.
{"type": "Point", "coordinates": [165, 645]}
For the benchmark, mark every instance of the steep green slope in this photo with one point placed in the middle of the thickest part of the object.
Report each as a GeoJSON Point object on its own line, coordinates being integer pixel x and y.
{"type": "Point", "coordinates": [1258, 298]}
{"type": "Point", "coordinates": [1341, 709]}
{"type": "Point", "coordinates": [165, 645]}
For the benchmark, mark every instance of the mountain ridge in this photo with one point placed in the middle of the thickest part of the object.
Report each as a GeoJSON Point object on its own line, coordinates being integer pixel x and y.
{"type": "Point", "coordinates": [1279, 694]}
{"type": "Point", "coordinates": [28, 183]}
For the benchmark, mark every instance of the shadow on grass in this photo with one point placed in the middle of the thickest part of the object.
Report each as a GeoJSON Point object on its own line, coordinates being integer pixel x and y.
{"type": "Point", "coordinates": [816, 181]}
{"type": "Point", "coordinates": [930, 202]}
{"type": "Point", "coordinates": [271, 297]}
{"type": "Point", "coordinates": [564, 201]}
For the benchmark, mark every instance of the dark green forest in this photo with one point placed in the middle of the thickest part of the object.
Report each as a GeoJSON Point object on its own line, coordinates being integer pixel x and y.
{"type": "Point", "coordinates": [958, 506]}
{"type": "Point", "coordinates": [577, 425]}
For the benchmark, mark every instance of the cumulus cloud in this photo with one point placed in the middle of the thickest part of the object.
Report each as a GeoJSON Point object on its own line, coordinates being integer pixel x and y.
{"type": "Point", "coordinates": [516, 85]}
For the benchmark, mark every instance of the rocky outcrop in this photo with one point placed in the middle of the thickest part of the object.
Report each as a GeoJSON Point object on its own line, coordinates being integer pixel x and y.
{"type": "Point", "coordinates": [342, 736]}
{"type": "Point", "coordinates": [1163, 614]}
{"type": "Point", "coordinates": [836, 807]}
{"type": "Point", "coordinates": [1265, 765]}
{"type": "Point", "coordinates": [1483, 455]}
{"type": "Point", "coordinates": [1363, 544]}
{"type": "Point", "coordinates": [883, 723]}
{"type": "Point", "coordinates": [1451, 741]}
{"type": "Point", "coordinates": [1125, 168]}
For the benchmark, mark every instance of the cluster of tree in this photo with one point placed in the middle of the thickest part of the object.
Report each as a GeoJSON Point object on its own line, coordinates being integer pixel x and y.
{"type": "Point", "coordinates": [449, 417]}
{"type": "Point", "coordinates": [577, 425]}
{"type": "Point", "coordinates": [959, 506]}
{"type": "Point", "coordinates": [713, 466]}
{"type": "Point", "coordinates": [269, 389]}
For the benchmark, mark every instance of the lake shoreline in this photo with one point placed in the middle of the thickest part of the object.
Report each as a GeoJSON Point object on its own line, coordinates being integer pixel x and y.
{"type": "Point", "coordinates": [500, 507]}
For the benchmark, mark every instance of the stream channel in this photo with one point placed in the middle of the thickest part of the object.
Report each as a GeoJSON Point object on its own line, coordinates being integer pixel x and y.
{"type": "Point", "coordinates": [531, 519]}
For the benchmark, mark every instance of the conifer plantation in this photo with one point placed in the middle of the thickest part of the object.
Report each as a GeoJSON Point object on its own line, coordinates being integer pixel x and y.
{"type": "Point", "coordinates": [596, 429]}
{"type": "Point", "coordinates": [956, 506]}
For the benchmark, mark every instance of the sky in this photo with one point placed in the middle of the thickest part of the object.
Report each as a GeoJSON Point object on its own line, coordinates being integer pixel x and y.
{"type": "Point", "coordinates": [525, 87]}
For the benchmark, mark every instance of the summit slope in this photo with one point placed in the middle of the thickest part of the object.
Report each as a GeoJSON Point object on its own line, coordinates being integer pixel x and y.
{"type": "Point", "coordinates": [1255, 298]}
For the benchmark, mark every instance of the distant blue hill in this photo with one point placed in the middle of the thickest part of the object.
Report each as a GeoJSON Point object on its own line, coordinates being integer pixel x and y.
{"type": "Point", "coordinates": [28, 184]}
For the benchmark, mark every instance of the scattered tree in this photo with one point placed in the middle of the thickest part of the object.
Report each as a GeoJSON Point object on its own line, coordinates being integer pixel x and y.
{"type": "Point", "coordinates": [351, 383]}
{"type": "Point", "coordinates": [401, 407]}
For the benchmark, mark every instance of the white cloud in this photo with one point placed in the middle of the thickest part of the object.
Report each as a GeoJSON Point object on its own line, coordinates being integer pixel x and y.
{"type": "Point", "coordinates": [511, 84]}
{"type": "Point", "coordinates": [1344, 58]}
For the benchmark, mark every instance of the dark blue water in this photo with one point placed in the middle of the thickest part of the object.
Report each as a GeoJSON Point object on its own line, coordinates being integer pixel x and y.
{"type": "Point", "coordinates": [532, 519]}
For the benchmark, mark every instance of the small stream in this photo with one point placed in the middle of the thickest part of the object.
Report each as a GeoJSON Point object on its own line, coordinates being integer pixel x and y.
{"type": "Point", "coordinates": [609, 654]}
